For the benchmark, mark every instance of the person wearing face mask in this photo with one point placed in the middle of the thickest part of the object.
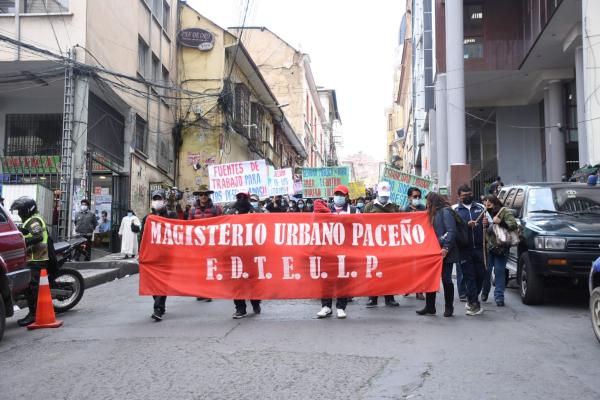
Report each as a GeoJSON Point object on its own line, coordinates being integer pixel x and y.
{"type": "Point", "coordinates": [130, 226]}
{"type": "Point", "coordinates": [293, 207]}
{"type": "Point", "coordinates": [360, 204]}
{"type": "Point", "coordinates": [415, 204]}
{"type": "Point", "coordinates": [243, 205]}
{"type": "Point", "coordinates": [309, 205]}
{"type": "Point", "coordinates": [158, 207]}
{"type": "Point", "coordinates": [255, 202]}
{"type": "Point", "coordinates": [302, 206]}
{"type": "Point", "coordinates": [341, 201]}
{"type": "Point", "coordinates": [471, 268]}
{"type": "Point", "coordinates": [276, 205]}
{"type": "Point", "coordinates": [85, 224]}
{"type": "Point", "coordinates": [382, 204]}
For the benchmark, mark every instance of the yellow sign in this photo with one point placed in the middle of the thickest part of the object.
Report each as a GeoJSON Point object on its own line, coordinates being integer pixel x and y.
{"type": "Point", "coordinates": [357, 189]}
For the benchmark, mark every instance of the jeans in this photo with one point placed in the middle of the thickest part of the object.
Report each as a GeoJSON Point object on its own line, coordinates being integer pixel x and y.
{"type": "Point", "coordinates": [473, 270]}
{"type": "Point", "coordinates": [240, 305]}
{"type": "Point", "coordinates": [339, 303]}
{"type": "Point", "coordinates": [159, 303]}
{"type": "Point", "coordinates": [448, 288]}
{"type": "Point", "coordinates": [498, 265]}
{"type": "Point", "coordinates": [460, 279]}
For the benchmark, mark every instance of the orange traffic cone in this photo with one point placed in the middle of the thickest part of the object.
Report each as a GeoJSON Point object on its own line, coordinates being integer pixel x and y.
{"type": "Point", "coordinates": [44, 317]}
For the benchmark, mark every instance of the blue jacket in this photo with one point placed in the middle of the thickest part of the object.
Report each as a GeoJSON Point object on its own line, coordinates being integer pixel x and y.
{"type": "Point", "coordinates": [444, 226]}
{"type": "Point", "coordinates": [476, 235]}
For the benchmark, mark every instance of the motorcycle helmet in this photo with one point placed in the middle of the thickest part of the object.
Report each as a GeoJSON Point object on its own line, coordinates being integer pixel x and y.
{"type": "Point", "coordinates": [25, 207]}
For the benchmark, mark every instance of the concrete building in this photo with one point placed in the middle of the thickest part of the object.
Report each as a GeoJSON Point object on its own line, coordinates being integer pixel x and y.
{"type": "Point", "coordinates": [120, 129]}
{"type": "Point", "coordinates": [333, 135]}
{"type": "Point", "coordinates": [515, 83]}
{"type": "Point", "coordinates": [237, 117]}
{"type": "Point", "coordinates": [290, 77]}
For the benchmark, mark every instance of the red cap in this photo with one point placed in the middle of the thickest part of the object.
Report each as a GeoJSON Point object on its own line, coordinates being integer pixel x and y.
{"type": "Point", "coordinates": [341, 188]}
{"type": "Point", "coordinates": [320, 206]}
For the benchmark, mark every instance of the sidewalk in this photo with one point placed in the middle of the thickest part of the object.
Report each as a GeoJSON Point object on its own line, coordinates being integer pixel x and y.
{"type": "Point", "coordinates": [104, 267]}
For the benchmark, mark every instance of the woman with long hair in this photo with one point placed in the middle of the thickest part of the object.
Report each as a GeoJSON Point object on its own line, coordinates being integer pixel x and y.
{"type": "Point", "coordinates": [497, 254]}
{"type": "Point", "coordinates": [444, 225]}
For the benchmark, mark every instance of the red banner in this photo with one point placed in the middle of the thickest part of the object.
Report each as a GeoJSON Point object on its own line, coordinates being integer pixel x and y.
{"type": "Point", "coordinates": [290, 256]}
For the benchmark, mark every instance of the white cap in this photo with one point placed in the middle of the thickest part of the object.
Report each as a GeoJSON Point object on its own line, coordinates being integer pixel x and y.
{"type": "Point", "coordinates": [383, 189]}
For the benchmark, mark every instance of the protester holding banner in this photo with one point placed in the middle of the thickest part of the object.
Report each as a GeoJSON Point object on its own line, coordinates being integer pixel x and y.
{"type": "Point", "coordinates": [442, 219]}
{"type": "Point", "coordinates": [472, 259]}
{"type": "Point", "coordinates": [242, 205]}
{"type": "Point", "coordinates": [158, 207]}
{"type": "Point", "coordinates": [255, 202]}
{"type": "Point", "coordinates": [341, 201]}
{"type": "Point", "coordinates": [360, 204]}
{"type": "Point", "coordinates": [276, 206]}
{"type": "Point", "coordinates": [302, 206]}
{"type": "Point", "coordinates": [326, 304]}
{"type": "Point", "coordinates": [382, 204]}
{"type": "Point", "coordinates": [415, 204]}
{"type": "Point", "coordinates": [293, 207]}
{"type": "Point", "coordinates": [204, 208]}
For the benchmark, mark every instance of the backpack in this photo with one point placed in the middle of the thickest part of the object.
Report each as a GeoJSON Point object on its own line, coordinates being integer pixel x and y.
{"type": "Point", "coordinates": [462, 231]}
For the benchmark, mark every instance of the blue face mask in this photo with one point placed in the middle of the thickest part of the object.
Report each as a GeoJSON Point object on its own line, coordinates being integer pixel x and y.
{"type": "Point", "coordinates": [129, 214]}
{"type": "Point", "coordinates": [339, 200]}
{"type": "Point", "coordinates": [360, 205]}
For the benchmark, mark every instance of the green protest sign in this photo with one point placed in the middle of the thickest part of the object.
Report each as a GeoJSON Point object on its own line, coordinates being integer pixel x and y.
{"type": "Point", "coordinates": [320, 182]}
{"type": "Point", "coordinates": [400, 182]}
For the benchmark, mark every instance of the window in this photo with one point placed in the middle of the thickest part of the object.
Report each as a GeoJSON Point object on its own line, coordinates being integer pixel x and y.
{"type": "Point", "coordinates": [3, 217]}
{"type": "Point", "coordinates": [166, 15]}
{"type": "Point", "coordinates": [518, 203]}
{"type": "Point", "coordinates": [165, 81]}
{"type": "Point", "coordinates": [242, 105]}
{"type": "Point", "coordinates": [156, 72]}
{"type": "Point", "coordinates": [256, 118]}
{"type": "Point", "coordinates": [157, 8]}
{"type": "Point", "coordinates": [142, 57]}
{"type": "Point", "coordinates": [473, 48]}
{"type": "Point", "coordinates": [141, 132]}
{"type": "Point", "coordinates": [33, 134]}
{"type": "Point", "coordinates": [34, 7]}
{"type": "Point", "coordinates": [509, 199]}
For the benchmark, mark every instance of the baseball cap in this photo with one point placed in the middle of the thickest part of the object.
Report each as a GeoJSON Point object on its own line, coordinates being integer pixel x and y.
{"type": "Point", "coordinates": [383, 189]}
{"type": "Point", "coordinates": [341, 188]}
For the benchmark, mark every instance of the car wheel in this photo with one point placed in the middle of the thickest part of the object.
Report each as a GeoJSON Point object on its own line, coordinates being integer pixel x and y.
{"type": "Point", "coordinates": [2, 317]}
{"type": "Point", "coordinates": [595, 311]}
{"type": "Point", "coordinates": [531, 285]}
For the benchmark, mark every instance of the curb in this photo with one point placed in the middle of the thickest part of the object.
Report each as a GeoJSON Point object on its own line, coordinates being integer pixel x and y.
{"type": "Point", "coordinates": [96, 273]}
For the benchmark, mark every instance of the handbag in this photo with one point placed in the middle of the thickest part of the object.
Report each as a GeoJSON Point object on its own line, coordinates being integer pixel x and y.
{"type": "Point", "coordinates": [134, 227]}
{"type": "Point", "coordinates": [504, 237]}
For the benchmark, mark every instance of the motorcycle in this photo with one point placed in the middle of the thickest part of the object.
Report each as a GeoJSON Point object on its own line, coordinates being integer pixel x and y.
{"type": "Point", "coordinates": [66, 284]}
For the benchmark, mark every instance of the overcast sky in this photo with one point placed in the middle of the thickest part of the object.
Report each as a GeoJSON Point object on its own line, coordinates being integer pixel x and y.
{"type": "Point", "coordinates": [351, 45]}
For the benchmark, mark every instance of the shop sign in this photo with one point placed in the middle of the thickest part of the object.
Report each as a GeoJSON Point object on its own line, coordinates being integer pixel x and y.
{"type": "Point", "coordinates": [196, 38]}
{"type": "Point", "coordinates": [30, 164]}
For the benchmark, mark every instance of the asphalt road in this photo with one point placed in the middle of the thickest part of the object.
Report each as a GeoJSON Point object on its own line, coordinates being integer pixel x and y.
{"type": "Point", "coordinates": [109, 348]}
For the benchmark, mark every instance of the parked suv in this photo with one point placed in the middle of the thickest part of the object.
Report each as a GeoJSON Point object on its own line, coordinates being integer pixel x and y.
{"type": "Point", "coordinates": [14, 274]}
{"type": "Point", "coordinates": [560, 234]}
{"type": "Point", "coordinates": [595, 297]}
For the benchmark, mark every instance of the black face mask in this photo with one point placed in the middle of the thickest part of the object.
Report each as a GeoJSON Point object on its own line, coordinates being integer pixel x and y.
{"type": "Point", "coordinates": [467, 200]}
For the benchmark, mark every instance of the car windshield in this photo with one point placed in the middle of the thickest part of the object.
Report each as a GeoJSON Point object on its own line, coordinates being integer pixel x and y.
{"type": "Point", "coordinates": [572, 200]}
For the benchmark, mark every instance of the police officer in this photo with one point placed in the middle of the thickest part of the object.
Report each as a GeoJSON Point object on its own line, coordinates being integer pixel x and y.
{"type": "Point", "coordinates": [159, 207]}
{"type": "Point", "coordinates": [38, 257]}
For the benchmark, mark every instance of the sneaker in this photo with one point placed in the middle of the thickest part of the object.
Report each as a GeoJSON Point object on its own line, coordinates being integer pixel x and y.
{"type": "Point", "coordinates": [371, 304]}
{"type": "Point", "coordinates": [341, 314]}
{"type": "Point", "coordinates": [256, 309]}
{"type": "Point", "coordinates": [463, 299]}
{"type": "Point", "coordinates": [475, 309]}
{"type": "Point", "coordinates": [204, 299]}
{"type": "Point", "coordinates": [324, 313]}
{"type": "Point", "coordinates": [157, 315]}
{"type": "Point", "coordinates": [239, 314]}
{"type": "Point", "coordinates": [392, 303]}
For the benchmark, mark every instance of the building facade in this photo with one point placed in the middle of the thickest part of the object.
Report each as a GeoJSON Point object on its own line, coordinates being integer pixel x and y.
{"type": "Point", "coordinates": [290, 77]}
{"type": "Point", "coordinates": [109, 124]}
{"type": "Point", "coordinates": [333, 136]}
{"type": "Point", "coordinates": [233, 116]}
{"type": "Point", "coordinates": [514, 87]}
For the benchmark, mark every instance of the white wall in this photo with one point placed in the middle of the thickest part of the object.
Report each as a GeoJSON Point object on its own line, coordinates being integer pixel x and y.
{"type": "Point", "coordinates": [519, 151]}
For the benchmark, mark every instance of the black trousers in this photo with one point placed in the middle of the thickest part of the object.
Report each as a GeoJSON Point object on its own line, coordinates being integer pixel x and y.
{"type": "Point", "coordinates": [159, 303]}
{"type": "Point", "coordinates": [473, 269]}
{"type": "Point", "coordinates": [448, 288]}
{"type": "Point", "coordinates": [240, 305]}
{"type": "Point", "coordinates": [388, 298]}
{"type": "Point", "coordinates": [88, 248]}
{"type": "Point", "coordinates": [31, 292]}
{"type": "Point", "coordinates": [339, 303]}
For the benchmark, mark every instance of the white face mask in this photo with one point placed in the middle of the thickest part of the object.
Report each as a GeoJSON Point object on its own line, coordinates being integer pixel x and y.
{"type": "Point", "coordinates": [384, 199]}
{"type": "Point", "coordinates": [415, 202]}
{"type": "Point", "coordinates": [130, 214]}
{"type": "Point", "coordinates": [254, 204]}
{"type": "Point", "coordinates": [339, 200]}
{"type": "Point", "coordinates": [158, 204]}
{"type": "Point", "coordinates": [84, 208]}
